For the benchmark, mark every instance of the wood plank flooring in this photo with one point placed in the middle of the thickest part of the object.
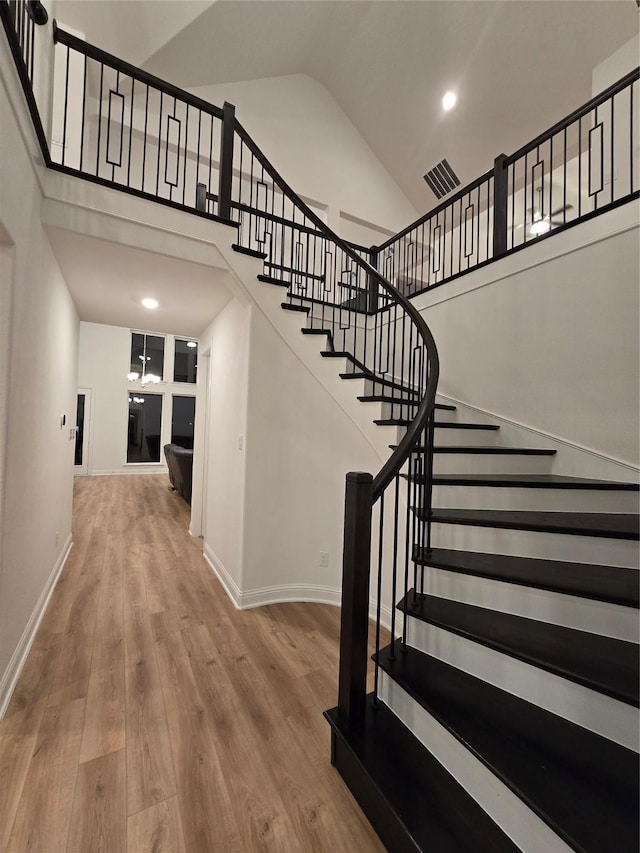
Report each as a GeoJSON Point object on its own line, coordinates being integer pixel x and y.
{"type": "Point", "coordinates": [153, 716]}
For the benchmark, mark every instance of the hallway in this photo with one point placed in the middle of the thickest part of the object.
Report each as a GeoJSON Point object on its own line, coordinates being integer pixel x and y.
{"type": "Point", "coordinates": [153, 716]}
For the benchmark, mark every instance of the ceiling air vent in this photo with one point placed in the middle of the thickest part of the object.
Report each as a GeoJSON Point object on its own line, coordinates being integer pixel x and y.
{"type": "Point", "coordinates": [442, 179]}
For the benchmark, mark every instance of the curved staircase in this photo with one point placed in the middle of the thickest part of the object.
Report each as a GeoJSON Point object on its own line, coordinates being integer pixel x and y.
{"type": "Point", "coordinates": [504, 710]}
{"type": "Point", "coordinates": [506, 717]}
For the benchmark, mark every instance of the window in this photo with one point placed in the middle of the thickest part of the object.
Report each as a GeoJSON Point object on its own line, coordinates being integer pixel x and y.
{"type": "Point", "coordinates": [143, 436]}
{"type": "Point", "coordinates": [186, 361]}
{"type": "Point", "coordinates": [147, 351]}
{"type": "Point", "coordinates": [182, 420]}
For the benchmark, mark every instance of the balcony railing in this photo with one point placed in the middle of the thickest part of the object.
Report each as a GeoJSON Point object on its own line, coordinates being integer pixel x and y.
{"type": "Point", "coordinates": [584, 165]}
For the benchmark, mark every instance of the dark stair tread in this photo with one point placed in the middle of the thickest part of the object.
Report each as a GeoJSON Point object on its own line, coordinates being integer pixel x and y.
{"type": "Point", "coordinates": [327, 332]}
{"type": "Point", "coordinates": [404, 401]}
{"type": "Point", "coordinates": [253, 253]}
{"type": "Point", "coordinates": [269, 279]}
{"type": "Point", "coordinates": [410, 799]}
{"type": "Point", "coordinates": [613, 584]}
{"type": "Point", "coordinates": [465, 425]}
{"type": "Point", "coordinates": [387, 383]}
{"type": "Point", "coordinates": [393, 422]}
{"type": "Point", "coordinates": [603, 524]}
{"type": "Point", "coordinates": [582, 784]}
{"type": "Point", "coordinates": [304, 309]}
{"type": "Point", "coordinates": [496, 450]}
{"type": "Point", "coordinates": [533, 481]}
{"type": "Point", "coordinates": [603, 664]}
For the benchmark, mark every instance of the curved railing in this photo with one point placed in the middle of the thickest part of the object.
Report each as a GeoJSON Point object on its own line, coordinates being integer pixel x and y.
{"type": "Point", "coordinates": [121, 127]}
{"type": "Point", "coordinates": [388, 345]}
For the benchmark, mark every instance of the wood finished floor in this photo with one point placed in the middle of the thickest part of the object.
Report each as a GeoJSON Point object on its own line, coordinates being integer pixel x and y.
{"type": "Point", "coordinates": [153, 716]}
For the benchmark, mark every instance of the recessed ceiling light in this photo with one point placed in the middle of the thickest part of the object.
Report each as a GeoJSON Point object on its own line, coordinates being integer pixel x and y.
{"type": "Point", "coordinates": [449, 101]}
{"type": "Point", "coordinates": [192, 344]}
{"type": "Point", "coordinates": [150, 303]}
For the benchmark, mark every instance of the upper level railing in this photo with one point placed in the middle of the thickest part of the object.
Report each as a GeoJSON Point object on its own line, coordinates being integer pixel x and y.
{"type": "Point", "coordinates": [584, 165]}
{"type": "Point", "coordinates": [120, 127]}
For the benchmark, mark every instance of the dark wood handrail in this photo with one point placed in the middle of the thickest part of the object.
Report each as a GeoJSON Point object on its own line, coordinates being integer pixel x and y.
{"type": "Point", "coordinates": [5, 15]}
{"type": "Point", "coordinates": [399, 456]}
{"type": "Point", "coordinates": [582, 111]}
{"type": "Point", "coordinates": [61, 36]}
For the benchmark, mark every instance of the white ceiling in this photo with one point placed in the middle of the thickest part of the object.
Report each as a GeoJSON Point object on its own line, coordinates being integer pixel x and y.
{"type": "Point", "coordinates": [108, 280]}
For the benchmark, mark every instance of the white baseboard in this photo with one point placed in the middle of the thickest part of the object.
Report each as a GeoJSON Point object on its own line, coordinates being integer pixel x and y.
{"type": "Point", "coordinates": [110, 472]}
{"type": "Point", "coordinates": [12, 673]}
{"type": "Point", "coordinates": [279, 594]}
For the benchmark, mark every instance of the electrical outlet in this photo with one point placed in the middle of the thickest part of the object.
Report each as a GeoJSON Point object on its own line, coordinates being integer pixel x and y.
{"type": "Point", "coordinates": [57, 539]}
{"type": "Point", "coordinates": [324, 559]}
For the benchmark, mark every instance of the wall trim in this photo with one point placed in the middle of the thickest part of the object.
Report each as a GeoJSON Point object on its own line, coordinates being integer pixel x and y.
{"type": "Point", "coordinates": [110, 472]}
{"type": "Point", "coordinates": [18, 659]}
{"type": "Point", "coordinates": [284, 593]}
{"type": "Point", "coordinates": [279, 594]}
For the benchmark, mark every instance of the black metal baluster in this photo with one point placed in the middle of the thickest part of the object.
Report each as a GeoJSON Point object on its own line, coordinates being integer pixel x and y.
{"type": "Point", "coordinates": [159, 137]}
{"type": "Point", "coordinates": [133, 90]}
{"type": "Point", "coordinates": [378, 599]}
{"type": "Point", "coordinates": [99, 120]}
{"type": "Point", "coordinates": [84, 102]}
{"type": "Point", "coordinates": [144, 139]}
{"type": "Point", "coordinates": [186, 153]}
{"type": "Point", "coordinates": [394, 562]}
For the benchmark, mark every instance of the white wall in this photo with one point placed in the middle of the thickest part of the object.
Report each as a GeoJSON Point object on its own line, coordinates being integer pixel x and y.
{"type": "Point", "coordinates": [227, 340]}
{"type": "Point", "coordinates": [548, 337]}
{"type": "Point", "coordinates": [316, 148]}
{"type": "Point", "coordinates": [37, 387]}
{"type": "Point", "coordinates": [277, 503]}
{"type": "Point", "coordinates": [103, 363]}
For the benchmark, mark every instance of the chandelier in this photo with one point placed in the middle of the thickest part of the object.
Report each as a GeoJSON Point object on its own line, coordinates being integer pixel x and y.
{"type": "Point", "coordinates": [143, 378]}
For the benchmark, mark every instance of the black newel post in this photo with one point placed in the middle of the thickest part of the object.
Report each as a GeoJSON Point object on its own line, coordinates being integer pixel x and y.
{"type": "Point", "coordinates": [226, 160]}
{"type": "Point", "coordinates": [500, 188]}
{"type": "Point", "coordinates": [354, 621]}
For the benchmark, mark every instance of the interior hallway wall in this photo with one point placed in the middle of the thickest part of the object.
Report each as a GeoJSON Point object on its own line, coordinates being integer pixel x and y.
{"type": "Point", "coordinates": [37, 391]}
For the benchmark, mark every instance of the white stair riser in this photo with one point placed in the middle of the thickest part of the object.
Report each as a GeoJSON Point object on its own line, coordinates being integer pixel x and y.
{"type": "Point", "coordinates": [592, 710]}
{"type": "Point", "coordinates": [543, 500]}
{"type": "Point", "coordinates": [449, 436]}
{"type": "Point", "coordinates": [531, 543]}
{"type": "Point", "coordinates": [489, 463]}
{"type": "Point", "coordinates": [397, 410]}
{"type": "Point", "coordinates": [572, 611]}
{"type": "Point", "coordinates": [524, 827]}
{"type": "Point", "coordinates": [383, 390]}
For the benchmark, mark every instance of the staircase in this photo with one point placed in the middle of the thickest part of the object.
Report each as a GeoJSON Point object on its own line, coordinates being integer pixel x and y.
{"type": "Point", "coordinates": [506, 719]}
{"type": "Point", "coordinates": [503, 715]}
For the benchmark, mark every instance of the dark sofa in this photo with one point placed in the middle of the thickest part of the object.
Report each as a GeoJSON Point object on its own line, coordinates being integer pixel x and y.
{"type": "Point", "coordinates": [180, 464]}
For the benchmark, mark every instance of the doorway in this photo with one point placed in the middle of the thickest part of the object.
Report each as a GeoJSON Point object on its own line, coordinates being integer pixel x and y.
{"type": "Point", "coordinates": [83, 421]}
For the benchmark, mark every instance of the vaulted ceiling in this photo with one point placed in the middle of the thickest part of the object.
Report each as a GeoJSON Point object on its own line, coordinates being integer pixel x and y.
{"type": "Point", "coordinates": [517, 65]}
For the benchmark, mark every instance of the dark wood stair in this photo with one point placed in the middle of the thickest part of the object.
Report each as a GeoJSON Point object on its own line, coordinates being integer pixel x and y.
{"type": "Point", "coordinates": [612, 584]}
{"type": "Point", "coordinates": [253, 253]}
{"type": "Point", "coordinates": [533, 481]}
{"type": "Point", "coordinates": [582, 785]}
{"type": "Point", "coordinates": [413, 803]}
{"type": "Point", "coordinates": [606, 665]}
{"type": "Point", "coordinates": [607, 525]}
